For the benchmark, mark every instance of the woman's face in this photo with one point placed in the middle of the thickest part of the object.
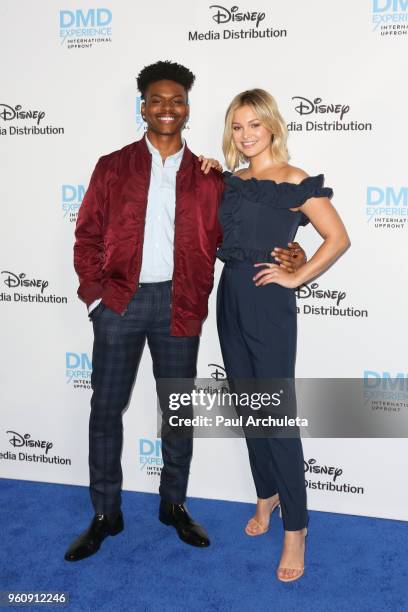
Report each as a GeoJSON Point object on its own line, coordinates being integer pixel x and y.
{"type": "Point", "coordinates": [249, 135]}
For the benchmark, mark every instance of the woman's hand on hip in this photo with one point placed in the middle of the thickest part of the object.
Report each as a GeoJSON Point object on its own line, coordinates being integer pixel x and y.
{"type": "Point", "coordinates": [271, 273]}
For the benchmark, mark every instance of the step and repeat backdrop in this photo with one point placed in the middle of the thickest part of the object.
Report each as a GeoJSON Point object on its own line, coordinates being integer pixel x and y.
{"type": "Point", "coordinates": [68, 95]}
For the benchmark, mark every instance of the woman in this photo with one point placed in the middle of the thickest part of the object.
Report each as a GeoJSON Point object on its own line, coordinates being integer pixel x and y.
{"type": "Point", "coordinates": [263, 205]}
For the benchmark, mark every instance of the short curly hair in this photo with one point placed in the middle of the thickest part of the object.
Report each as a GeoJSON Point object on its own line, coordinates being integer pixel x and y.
{"type": "Point", "coordinates": [164, 70]}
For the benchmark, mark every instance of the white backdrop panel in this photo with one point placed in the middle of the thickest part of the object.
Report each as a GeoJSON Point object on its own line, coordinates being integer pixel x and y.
{"type": "Point", "coordinates": [89, 100]}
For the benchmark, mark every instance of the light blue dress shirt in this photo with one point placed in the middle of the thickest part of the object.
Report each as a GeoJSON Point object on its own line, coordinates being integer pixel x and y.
{"type": "Point", "coordinates": [157, 260]}
{"type": "Point", "coordinates": [158, 244]}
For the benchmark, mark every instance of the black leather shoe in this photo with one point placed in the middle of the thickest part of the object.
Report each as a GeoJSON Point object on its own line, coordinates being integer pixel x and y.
{"type": "Point", "coordinates": [89, 542]}
{"type": "Point", "coordinates": [188, 531]}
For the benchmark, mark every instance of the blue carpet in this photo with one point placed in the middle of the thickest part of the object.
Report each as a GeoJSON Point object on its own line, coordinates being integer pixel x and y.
{"type": "Point", "coordinates": [352, 563]}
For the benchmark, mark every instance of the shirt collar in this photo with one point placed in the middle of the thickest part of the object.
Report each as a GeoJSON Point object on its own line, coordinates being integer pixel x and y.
{"type": "Point", "coordinates": [172, 160]}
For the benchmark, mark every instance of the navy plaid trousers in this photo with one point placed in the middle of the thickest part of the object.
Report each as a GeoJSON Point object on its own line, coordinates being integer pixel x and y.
{"type": "Point", "coordinates": [118, 345]}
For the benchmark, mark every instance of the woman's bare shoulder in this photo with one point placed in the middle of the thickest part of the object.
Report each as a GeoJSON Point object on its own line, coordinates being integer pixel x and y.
{"type": "Point", "coordinates": [294, 174]}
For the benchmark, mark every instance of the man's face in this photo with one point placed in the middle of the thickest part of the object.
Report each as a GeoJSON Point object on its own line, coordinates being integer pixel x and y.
{"type": "Point", "coordinates": [165, 107]}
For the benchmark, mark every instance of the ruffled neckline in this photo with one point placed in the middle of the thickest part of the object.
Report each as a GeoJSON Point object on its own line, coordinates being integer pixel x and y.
{"type": "Point", "coordinates": [319, 178]}
{"type": "Point", "coordinates": [278, 195]}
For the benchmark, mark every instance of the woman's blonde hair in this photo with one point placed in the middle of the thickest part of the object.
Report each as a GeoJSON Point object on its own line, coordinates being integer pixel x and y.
{"type": "Point", "coordinates": [266, 109]}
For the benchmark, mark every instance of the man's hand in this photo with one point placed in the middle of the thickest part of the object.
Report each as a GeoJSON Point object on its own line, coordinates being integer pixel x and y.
{"type": "Point", "coordinates": [207, 163]}
{"type": "Point", "coordinates": [290, 259]}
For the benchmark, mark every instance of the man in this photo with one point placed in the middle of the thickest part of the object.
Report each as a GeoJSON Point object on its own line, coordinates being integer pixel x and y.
{"type": "Point", "coordinates": [146, 239]}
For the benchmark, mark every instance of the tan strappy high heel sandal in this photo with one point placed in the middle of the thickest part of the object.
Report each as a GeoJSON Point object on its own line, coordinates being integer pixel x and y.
{"type": "Point", "coordinates": [299, 570]}
{"type": "Point", "coordinates": [261, 529]}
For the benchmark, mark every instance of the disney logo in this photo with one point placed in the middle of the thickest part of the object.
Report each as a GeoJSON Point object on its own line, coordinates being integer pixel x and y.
{"type": "Point", "coordinates": [305, 291]}
{"type": "Point", "coordinates": [224, 15]}
{"type": "Point", "coordinates": [17, 440]}
{"type": "Point", "coordinates": [218, 373]}
{"type": "Point", "coordinates": [307, 107]}
{"type": "Point", "coordinates": [8, 113]}
{"type": "Point", "coordinates": [19, 280]}
{"type": "Point", "coordinates": [312, 467]}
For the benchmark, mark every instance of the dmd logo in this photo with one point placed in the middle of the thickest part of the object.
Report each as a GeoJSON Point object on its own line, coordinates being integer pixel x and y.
{"type": "Point", "coordinates": [81, 29]}
{"type": "Point", "coordinates": [387, 207]}
{"type": "Point", "coordinates": [79, 19]}
{"type": "Point", "coordinates": [233, 16]}
{"type": "Point", "coordinates": [390, 17]}
{"type": "Point", "coordinates": [138, 112]}
{"type": "Point", "coordinates": [385, 380]}
{"type": "Point", "coordinates": [150, 456]}
{"type": "Point", "coordinates": [385, 391]}
{"type": "Point", "coordinates": [71, 200]}
{"type": "Point", "coordinates": [78, 370]}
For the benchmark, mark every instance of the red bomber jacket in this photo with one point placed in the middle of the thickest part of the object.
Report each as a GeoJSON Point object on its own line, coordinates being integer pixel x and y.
{"type": "Point", "coordinates": [110, 229]}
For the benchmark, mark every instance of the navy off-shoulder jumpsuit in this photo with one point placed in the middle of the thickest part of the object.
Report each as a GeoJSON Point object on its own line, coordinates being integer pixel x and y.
{"type": "Point", "coordinates": [257, 325]}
